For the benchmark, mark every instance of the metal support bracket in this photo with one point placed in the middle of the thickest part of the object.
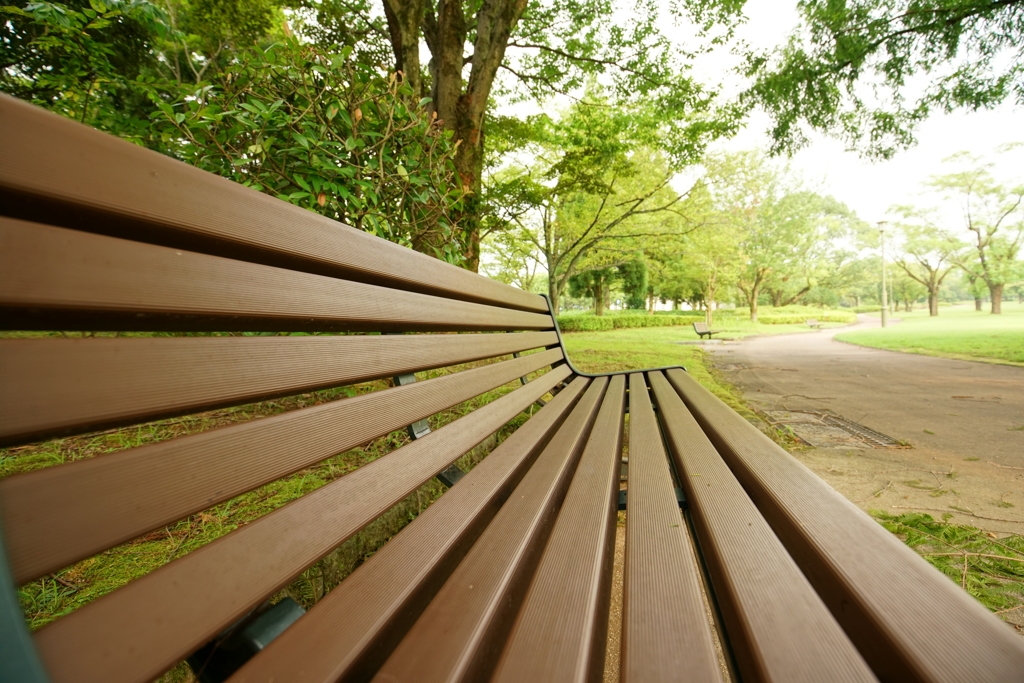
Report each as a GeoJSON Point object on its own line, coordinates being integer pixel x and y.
{"type": "Point", "coordinates": [420, 428]}
{"type": "Point", "coordinates": [225, 654]}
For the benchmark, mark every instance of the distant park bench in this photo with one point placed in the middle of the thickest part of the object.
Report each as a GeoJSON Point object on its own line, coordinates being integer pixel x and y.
{"type": "Point", "coordinates": [702, 330]}
{"type": "Point", "coordinates": [813, 322]}
{"type": "Point", "coordinates": [508, 575]}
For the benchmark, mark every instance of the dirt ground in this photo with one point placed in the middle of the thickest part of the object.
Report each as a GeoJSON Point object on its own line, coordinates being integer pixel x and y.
{"type": "Point", "coordinates": [956, 428]}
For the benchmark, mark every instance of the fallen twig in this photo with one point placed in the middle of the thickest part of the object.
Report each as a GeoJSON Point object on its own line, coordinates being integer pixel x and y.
{"type": "Point", "coordinates": [1009, 610]}
{"type": "Point", "coordinates": [1005, 467]}
{"type": "Point", "coordinates": [62, 582]}
{"type": "Point", "coordinates": [876, 494]}
{"type": "Point", "coordinates": [915, 469]}
{"type": "Point", "coordinates": [966, 554]}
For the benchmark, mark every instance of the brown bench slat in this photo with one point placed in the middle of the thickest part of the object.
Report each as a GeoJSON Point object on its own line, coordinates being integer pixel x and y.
{"type": "Point", "coordinates": [51, 387]}
{"type": "Point", "coordinates": [56, 516]}
{"type": "Point", "coordinates": [459, 636]}
{"type": "Point", "coordinates": [779, 630]}
{"type": "Point", "coordinates": [117, 638]}
{"type": "Point", "coordinates": [665, 627]}
{"type": "Point", "coordinates": [561, 629]}
{"type": "Point", "coordinates": [48, 172]}
{"type": "Point", "coordinates": [909, 622]}
{"type": "Point", "coordinates": [54, 278]}
{"type": "Point", "coordinates": [349, 633]}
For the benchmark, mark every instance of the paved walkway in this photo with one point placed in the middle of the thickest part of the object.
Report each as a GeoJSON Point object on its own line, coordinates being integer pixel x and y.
{"type": "Point", "coordinates": [962, 418]}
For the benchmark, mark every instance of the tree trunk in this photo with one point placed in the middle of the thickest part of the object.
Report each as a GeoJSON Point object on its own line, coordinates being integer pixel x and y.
{"type": "Point", "coordinates": [553, 294]}
{"type": "Point", "coordinates": [469, 166]}
{"type": "Point", "coordinates": [977, 303]}
{"type": "Point", "coordinates": [458, 103]}
{"type": "Point", "coordinates": [404, 18]}
{"type": "Point", "coordinates": [996, 291]}
{"type": "Point", "coordinates": [598, 293]}
{"type": "Point", "coordinates": [856, 300]}
{"type": "Point", "coordinates": [933, 303]}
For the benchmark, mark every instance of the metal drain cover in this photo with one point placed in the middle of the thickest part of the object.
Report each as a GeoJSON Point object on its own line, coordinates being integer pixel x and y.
{"type": "Point", "coordinates": [824, 428]}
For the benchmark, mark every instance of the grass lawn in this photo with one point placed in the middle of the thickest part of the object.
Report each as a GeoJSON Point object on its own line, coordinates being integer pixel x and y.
{"type": "Point", "coordinates": [957, 332]}
{"type": "Point", "coordinates": [637, 349]}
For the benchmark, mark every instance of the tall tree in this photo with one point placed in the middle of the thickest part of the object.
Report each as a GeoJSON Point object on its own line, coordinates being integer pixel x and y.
{"type": "Point", "coordinates": [846, 68]}
{"type": "Point", "coordinates": [784, 230]}
{"type": "Point", "coordinates": [927, 253]}
{"type": "Point", "coordinates": [584, 190]}
{"type": "Point", "coordinates": [548, 47]}
{"type": "Point", "coordinates": [993, 220]}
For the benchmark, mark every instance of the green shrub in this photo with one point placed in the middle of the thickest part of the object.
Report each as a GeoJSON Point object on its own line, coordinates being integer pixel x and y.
{"type": "Point", "coordinates": [793, 319]}
{"type": "Point", "coordinates": [593, 323]}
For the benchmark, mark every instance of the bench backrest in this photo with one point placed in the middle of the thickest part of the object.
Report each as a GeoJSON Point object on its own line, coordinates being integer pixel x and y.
{"type": "Point", "coordinates": [101, 236]}
{"type": "Point", "coordinates": [700, 327]}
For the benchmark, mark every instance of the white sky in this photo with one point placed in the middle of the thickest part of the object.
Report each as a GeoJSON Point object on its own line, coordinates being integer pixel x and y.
{"type": "Point", "coordinates": [869, 188]}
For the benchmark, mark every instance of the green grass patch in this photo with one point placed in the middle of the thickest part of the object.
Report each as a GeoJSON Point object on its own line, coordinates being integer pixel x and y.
{"type": "Point", "coordinates": [649, 348]}
{"type": "Point", "coordinates": [990, 569]}
{"type": "Point", "coordinates": [959, 332]}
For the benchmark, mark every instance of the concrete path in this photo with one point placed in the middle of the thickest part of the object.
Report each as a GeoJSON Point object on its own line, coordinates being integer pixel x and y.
{"type": "Point", "coordinates": [963, 419]}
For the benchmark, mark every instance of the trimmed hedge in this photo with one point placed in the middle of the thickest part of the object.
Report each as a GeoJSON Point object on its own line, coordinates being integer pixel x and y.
{"type": "Point", "coordinates": [593, 323]}
{"type": "Point", "coordinates": [779, 319]}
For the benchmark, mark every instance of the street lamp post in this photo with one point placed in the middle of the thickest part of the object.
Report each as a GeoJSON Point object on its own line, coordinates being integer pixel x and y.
{"type": "Point", "coordinates": [885, 297]}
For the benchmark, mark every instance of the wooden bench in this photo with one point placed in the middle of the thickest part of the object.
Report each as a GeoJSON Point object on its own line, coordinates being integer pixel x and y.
{"type": "Point", "coordinates": [814, 324]}
{"type": "Point", "coordinates": [508, 575]}
{"type": "Point", "coordinates": [702, 330]}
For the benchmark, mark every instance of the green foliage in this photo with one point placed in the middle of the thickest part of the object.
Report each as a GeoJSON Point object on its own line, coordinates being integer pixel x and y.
{"type": "Point", "coordinates": [991, 570]}
{"type": "Point", "coordinates": [320, 128]}
{"type": "Point", "coordinates": [324, 132]}
{"type": "Point", "coordinates": [583, 192]}
{"type": "Point", "coordinates": [965, 49]}
{"type": "Point", "coordinates": [633, 281]}
{"type": "Point", "coordinates": [563, 45]}
{"type": "Point", "coordinates": [85, 60]}
{"type": "Point", "coordinates": [993, 223]}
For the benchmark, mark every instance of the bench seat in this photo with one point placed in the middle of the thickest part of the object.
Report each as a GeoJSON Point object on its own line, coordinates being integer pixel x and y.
{"type": "Point", "coordinates": [225, 297]}
{"type": "Point", "coordinates": [703, 330]}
